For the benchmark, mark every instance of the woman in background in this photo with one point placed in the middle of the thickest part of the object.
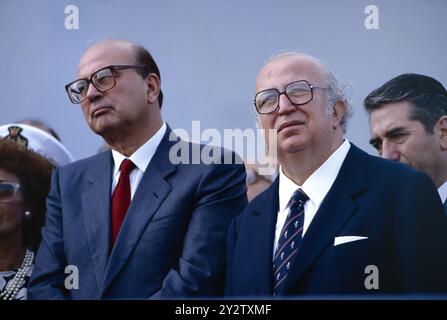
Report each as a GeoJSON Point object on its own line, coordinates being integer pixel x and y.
{"type": "Point", "coordinates": [24, 185]}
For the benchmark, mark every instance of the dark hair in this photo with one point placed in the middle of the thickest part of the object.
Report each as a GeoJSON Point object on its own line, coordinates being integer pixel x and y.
{"type": "Point", "coordinates": [34, 174]}
{"type": "Point", "coordinates": [143, 57]}
{"type": "Point", "coordinates": [427, 95]}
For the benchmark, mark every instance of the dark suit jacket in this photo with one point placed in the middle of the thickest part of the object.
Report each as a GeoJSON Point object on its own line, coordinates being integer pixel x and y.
{"type": "Point", "coordinates": [171, 243]}
{"type": "Point", "coordinates": [396, 207]}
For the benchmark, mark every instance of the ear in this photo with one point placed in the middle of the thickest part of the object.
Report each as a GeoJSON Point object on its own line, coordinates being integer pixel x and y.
{"type": "Point", "coordinates": [338, 111]}
{"type": "Point", "coordinates": [153, 88]}
{"type": "Point", "coordinates": [441, 131]}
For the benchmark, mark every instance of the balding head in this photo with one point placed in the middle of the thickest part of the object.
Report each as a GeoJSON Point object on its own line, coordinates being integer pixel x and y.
{"type": "Point", "coordinates": [113, 47]}
{"type": "Point", "coordinates": [135, 53]}
{"type": "Point", "coordinates": [295, 99]}
{"type": "Point", "coordinates": [298, 58]}
{"type": "Point", "coordinates": [319, 73]}
{"type": "Point", "coordinates": [121, 99]}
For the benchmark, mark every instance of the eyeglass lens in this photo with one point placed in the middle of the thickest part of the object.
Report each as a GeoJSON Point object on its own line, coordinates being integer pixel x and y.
{"type": "Point", "coordinates": [103, 80]}
{"type": "Point", "coordinates": [298, 92]}
{"type": "Point", "coordinates": [7, 191]}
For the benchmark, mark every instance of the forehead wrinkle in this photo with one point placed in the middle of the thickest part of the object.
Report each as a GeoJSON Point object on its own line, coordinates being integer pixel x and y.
{"type": "Point", "coordinates": [311, 67]}
{"type": "Point", "coordinates": [106, 50]}
{"type": "Point", "coordinates": [391, 118]}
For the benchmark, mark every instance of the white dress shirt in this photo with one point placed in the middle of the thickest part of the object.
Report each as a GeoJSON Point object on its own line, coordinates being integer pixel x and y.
{"type": "Point", "coordinates": [442, 190]}
{"type": "Point", "coordinates": [316, 187]}
{"type": "Point", "coordinates": [141, 158]}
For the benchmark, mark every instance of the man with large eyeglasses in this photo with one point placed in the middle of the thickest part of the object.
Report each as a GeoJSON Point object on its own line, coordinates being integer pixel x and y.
{"type": "Point", "coordinates": [132, 223]}
{"type": "Point", "coordinates": [336, 220]}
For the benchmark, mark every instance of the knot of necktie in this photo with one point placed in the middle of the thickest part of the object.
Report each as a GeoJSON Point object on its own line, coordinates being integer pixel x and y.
{"type": "Point", "coordinates": [298, 198]}
{"type": "Point", "coordinates": [126, 167]}
{"type": "Point", "coordinates": [289, 240]}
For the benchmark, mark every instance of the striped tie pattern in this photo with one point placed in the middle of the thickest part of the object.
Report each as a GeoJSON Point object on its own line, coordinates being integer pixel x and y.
{"type": "Point", "coordinates": [289, 240]}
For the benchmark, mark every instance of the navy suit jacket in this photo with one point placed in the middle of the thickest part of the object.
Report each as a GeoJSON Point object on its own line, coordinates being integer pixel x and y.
{"type": "Point", "coordinates": [396, 207]}
{"type": "Point", "coordinates": [171, 243]}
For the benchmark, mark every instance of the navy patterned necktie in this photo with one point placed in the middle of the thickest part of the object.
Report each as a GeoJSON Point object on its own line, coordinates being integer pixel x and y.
{"type": "Point", "coordinates": [289, 239]}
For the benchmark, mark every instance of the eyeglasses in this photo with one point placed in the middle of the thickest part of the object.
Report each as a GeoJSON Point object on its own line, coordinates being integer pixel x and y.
{"type": "Point", "coordinates": [103, 80]}
{"type": "Point", "coordinates": [8, 190]}
{"type": "Point", "coordinates": [298, 92]}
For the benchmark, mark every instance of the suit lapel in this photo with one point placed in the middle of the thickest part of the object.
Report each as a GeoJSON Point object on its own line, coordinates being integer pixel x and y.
{"type": "Point", "coordinates": [95, 202]}
{"type": "Point", "coordinates": [335, 211]}
{"type": "Point", "coordinates": [261, 233]}
{"type": "Point", "coordinates": [150, 194]}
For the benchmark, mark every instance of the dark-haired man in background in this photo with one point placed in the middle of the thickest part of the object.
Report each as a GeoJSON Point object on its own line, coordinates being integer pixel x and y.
{"type": "Point", "coordinates": [408, 117]}
{"type": "Point", "coordinates": [134, 224]}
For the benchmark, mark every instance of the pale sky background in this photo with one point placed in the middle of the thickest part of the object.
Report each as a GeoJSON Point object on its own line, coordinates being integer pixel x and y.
{"type": "Point", "coordinates": [209, 53]}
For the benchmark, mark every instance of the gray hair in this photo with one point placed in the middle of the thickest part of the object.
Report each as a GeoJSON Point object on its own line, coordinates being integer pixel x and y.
{"type": "Point", "coordinates": [336, 89]}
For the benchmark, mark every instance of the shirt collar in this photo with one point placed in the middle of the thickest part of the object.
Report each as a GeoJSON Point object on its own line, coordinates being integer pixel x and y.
{"type": "Point", "coordinates": [320, 181]}
{"type": "Point", "coordinates": [143, 155]}
{"type": "Point", "coordinates": [442, 190]}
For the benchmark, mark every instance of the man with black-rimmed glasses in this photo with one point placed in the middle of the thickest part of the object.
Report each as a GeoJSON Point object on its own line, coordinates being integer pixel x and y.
{"type": "Point", "coordinates": [128, 223]}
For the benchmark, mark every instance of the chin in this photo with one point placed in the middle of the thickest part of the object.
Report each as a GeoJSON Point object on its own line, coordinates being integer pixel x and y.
{"type": "Point", "coordinates": [105, 130]}
{"type": "Point", "coordinates": [291, 144]}
{"type": "Point", "coordinates": [291, 148]}
{"type": "Point", "coordinates": [100, 126]}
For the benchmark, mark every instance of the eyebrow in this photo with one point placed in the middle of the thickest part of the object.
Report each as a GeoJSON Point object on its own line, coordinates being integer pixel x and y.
{"type": "Point", "coordinates": [390, 133]}
{"type": "Point", "coordinates": [395, 131]}
{"type": "Point", "coordinates": [374, 141]}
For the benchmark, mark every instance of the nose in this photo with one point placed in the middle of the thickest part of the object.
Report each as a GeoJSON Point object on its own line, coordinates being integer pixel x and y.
{"type": "Point", "coordinates": [92, 93]}
{"type": "Point", "coordinates": [390, 151]}
{"type": "Point", "coordinates": [285, 106]}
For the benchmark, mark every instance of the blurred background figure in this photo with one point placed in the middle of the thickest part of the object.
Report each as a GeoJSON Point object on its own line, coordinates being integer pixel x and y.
{"type": "Point", "coordinates": [256, 181]}
{"type": "Point", "coordinates": [41, 140]}
{"type": "Point", "coordinates": [24, 185]}
{"type": "Point", "coordinates": [41, 125]}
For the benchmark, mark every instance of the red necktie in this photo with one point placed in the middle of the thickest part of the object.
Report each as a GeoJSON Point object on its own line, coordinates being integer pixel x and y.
{"type": "Point", "coordinates": [121, 199]}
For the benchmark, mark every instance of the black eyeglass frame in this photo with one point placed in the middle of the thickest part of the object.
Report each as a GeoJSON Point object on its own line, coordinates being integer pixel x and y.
{"type": "Point", "coordinates": [112, 68]}
{"type": "Point", "coordinates": [312, 87]}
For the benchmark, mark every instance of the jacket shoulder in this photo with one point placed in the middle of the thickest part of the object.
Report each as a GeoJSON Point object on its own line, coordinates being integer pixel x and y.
{"type": "Point", "coordinates": [186, 152]}
{"type": "Point", "coordinates": [79, 167]}
{"type": "Point", "coordinates": [377, 167]}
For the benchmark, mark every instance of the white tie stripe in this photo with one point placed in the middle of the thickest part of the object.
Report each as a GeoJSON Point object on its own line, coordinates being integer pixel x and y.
{"type": "Point", "coordinates": [290, 236]}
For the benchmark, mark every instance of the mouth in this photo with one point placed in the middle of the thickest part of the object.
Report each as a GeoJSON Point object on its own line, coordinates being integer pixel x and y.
{"type": "Point", "coordinates": [96, 112]}
{"type": "Point", "coordinates": [290, 124]}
